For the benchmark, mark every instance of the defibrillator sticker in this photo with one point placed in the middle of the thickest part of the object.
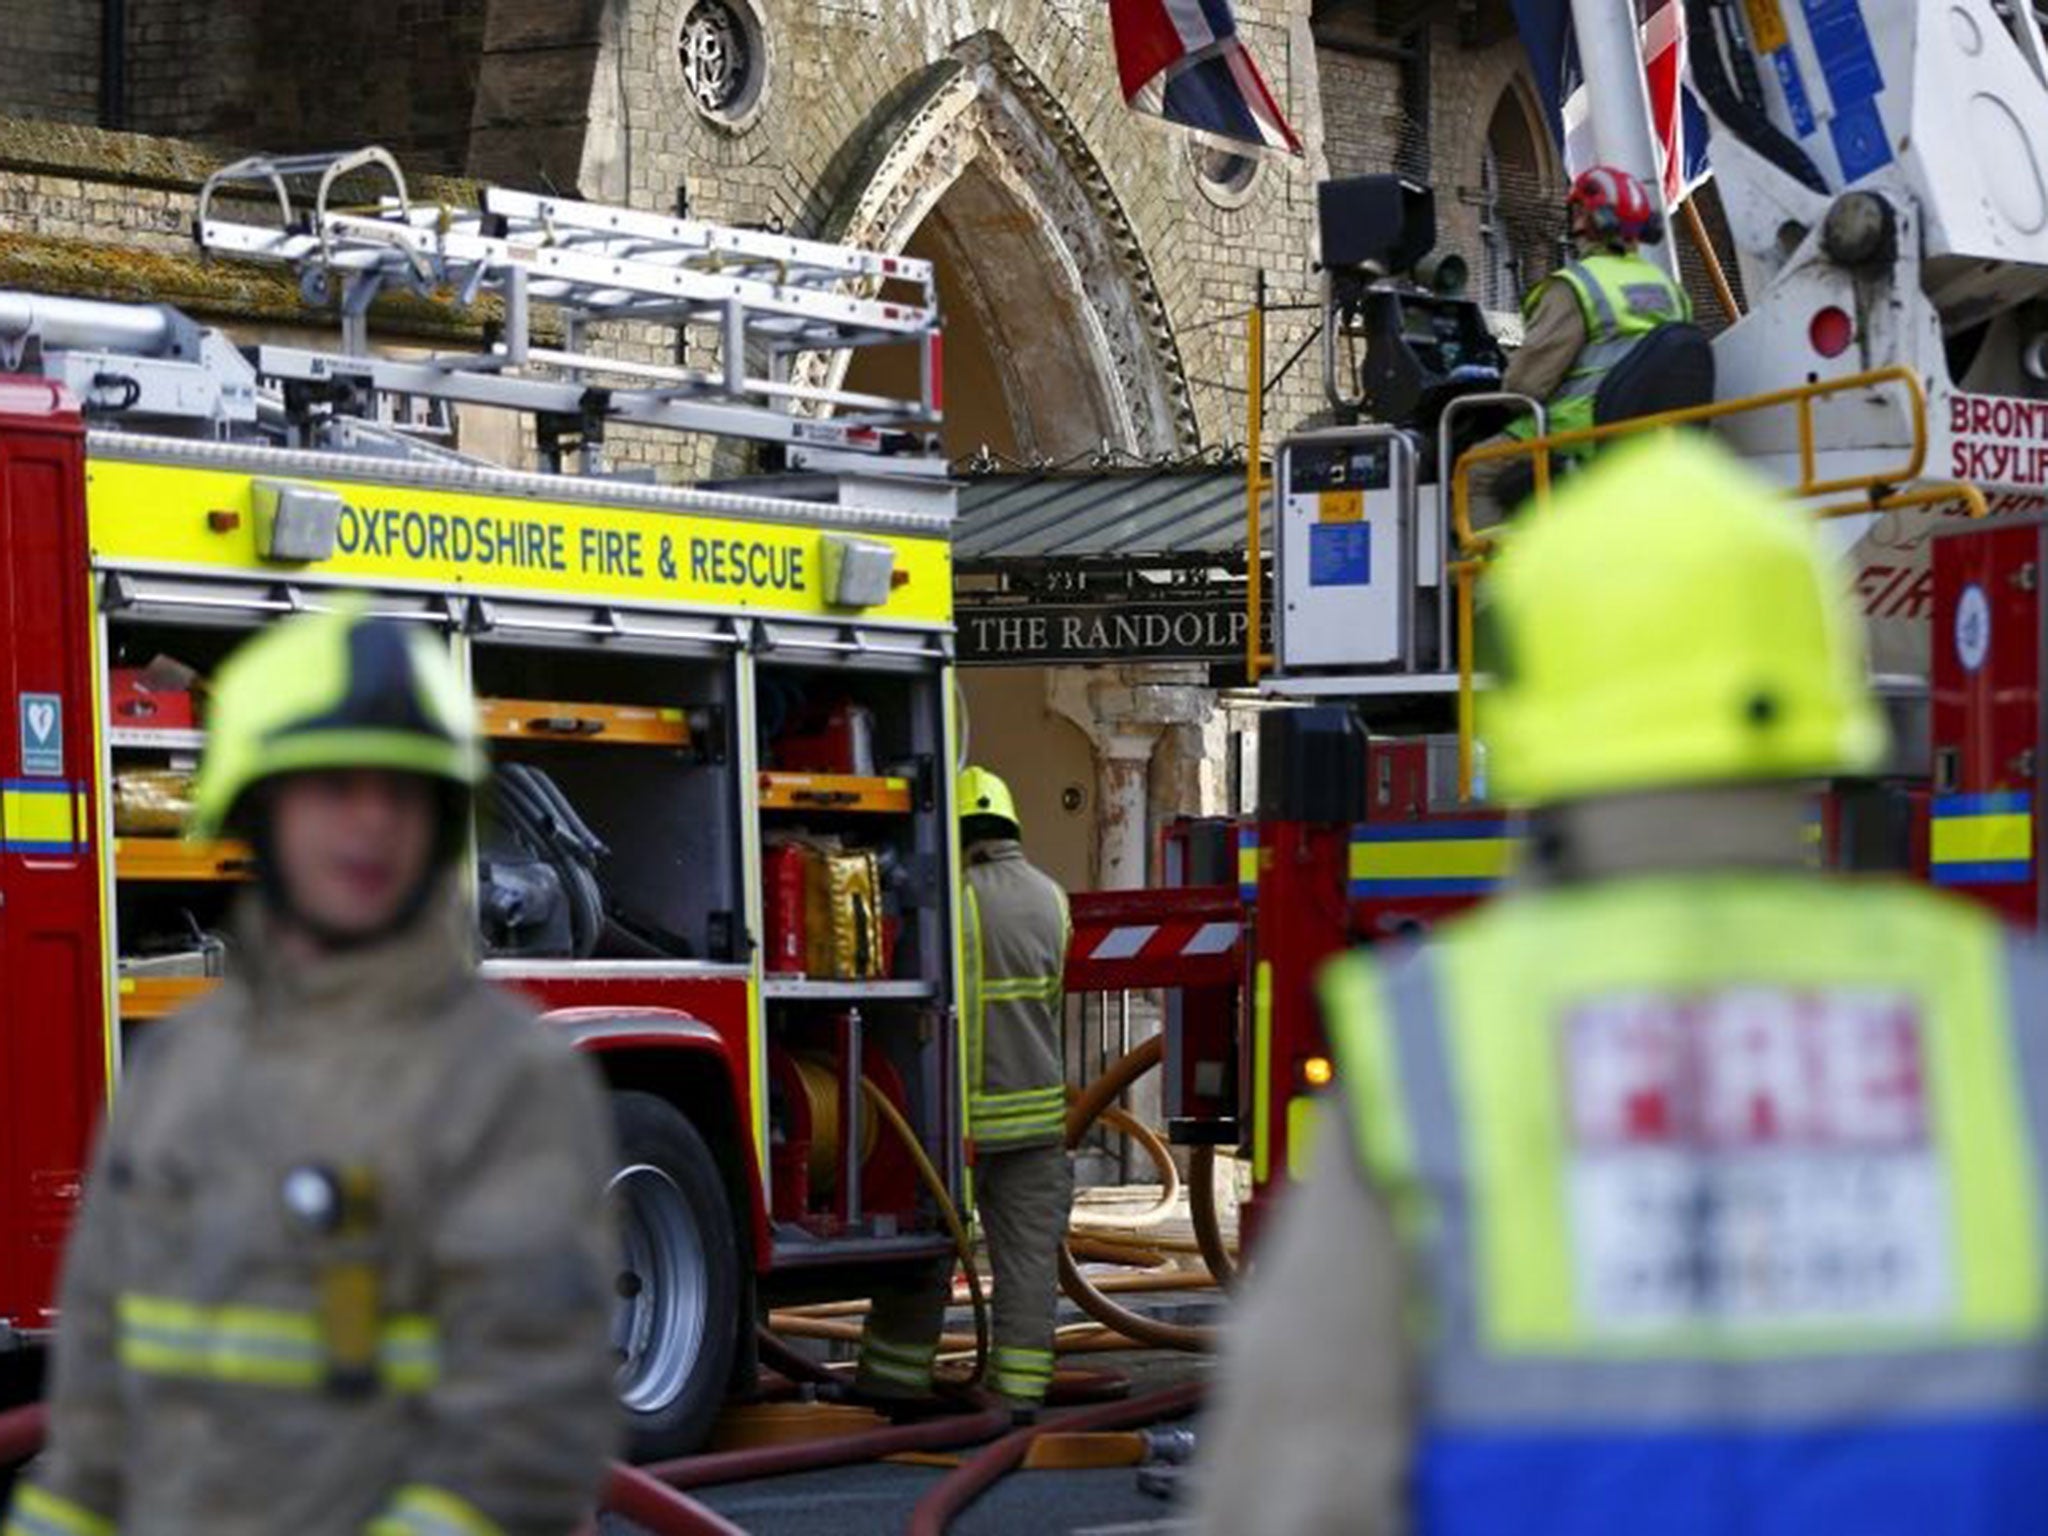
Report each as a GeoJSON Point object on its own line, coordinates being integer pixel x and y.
{"type": "Point", "coordinates": [1754, 1158]}
{"type": "Point", "coordinates": [42, 736]}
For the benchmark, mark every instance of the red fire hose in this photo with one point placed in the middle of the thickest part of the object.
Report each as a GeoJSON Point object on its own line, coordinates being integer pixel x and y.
{"type": "Point", "coordinates": [958, 1489]}
{"type": "Point", "coordinates": [943, 1434]}
{"type": "Point", "coordinates": [627, 1491]}
{"type": "Point", "coordinates": [645, 1501]}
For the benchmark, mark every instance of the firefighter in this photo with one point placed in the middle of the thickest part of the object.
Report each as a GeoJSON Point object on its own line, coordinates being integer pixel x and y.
{"type": "Point", "coordinates": [1703, 1186]}
{"type": "Point", "coordinates": [1583, 319]}
{"type": "Point", "coordinates": [342, 1264]}
{"type": "Point", "coordinates": [1017, 930]}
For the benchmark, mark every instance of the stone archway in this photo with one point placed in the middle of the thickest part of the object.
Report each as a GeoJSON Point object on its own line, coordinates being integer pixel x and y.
{"type": "Point", "coordinates": [1050, 289]}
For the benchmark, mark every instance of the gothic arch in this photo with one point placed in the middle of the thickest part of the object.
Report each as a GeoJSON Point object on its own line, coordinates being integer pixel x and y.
{"type": "Point", "coordinates": [1035, 224]}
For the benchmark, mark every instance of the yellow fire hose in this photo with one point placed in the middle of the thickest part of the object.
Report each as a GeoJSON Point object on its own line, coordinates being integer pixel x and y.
{"type": "Point", "coordinates": [1120, 1327]}
{"type": "Point", "coordinates": [1092, 1104]}
{"type": "Point", "coordinates": [1122, 1121]}
{"type": "Point", "coordinates": [1217, 1254]}
{"type": "Point", "coordinates": [962, 1243]}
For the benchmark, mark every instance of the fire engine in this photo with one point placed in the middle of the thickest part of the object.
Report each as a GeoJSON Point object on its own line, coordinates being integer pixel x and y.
{"type": "Point", "coordinates": [1881, 165]}
{"type": "Point", "coordinates": [719, 852]}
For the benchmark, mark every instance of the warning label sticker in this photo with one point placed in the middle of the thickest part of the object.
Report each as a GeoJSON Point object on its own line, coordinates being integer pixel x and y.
{"type": "Point", "coordinates": [1753, 1156]}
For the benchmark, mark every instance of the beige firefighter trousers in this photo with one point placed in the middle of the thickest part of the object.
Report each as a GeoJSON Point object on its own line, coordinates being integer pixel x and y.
{"type": "Point", "coordinates": [1023, 1198]}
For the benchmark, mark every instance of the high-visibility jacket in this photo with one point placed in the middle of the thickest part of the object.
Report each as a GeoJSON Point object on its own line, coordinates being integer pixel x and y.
{"type": "Point", "coordinates": [1621, 299]}
{"type": "Point", "coordinates": [1724, 1197]}
{"type": "Point", "coordinates": [1017, 930]}
{"type": "Point", "coordinates": [196, 1384]}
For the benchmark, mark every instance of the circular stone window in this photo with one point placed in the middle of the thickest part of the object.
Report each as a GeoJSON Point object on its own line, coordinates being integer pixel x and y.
{"type": "Point", "coordinates": [1226, 177]}
{"type": "Point", "coordinates": [723, 55]}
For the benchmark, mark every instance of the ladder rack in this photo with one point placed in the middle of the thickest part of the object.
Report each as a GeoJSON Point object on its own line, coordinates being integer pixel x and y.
{"type": "Point", "coordinates": [755, 301]}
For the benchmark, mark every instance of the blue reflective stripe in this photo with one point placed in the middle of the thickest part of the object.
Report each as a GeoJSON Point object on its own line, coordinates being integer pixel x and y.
{"type": "Point", "coordinates": [2013, 872]}
{"type": "Point", "coordinates": [1982, 1477]}
{"type": "Point", "coordinates": [1364, 889]}
{"type": "Point", "coordinates": [1998, 803]}
{"type": "Point", "coordinates": [1426, 831]}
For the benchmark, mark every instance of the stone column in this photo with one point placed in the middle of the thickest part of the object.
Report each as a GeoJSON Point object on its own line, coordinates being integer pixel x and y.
{"type": "Point", "coordinates": [1123, 779]}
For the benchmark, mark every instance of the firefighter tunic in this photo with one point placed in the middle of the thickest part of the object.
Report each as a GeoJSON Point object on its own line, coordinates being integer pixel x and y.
{"type": "Point", "coordinates": [1017, 931]}
{"type": "Point", "coordinates": [342, 1266]}
{"type": "Point", "coordinates": [1705, 1202]}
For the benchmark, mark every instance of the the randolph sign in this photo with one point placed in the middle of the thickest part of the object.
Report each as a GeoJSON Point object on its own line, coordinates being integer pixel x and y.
{"type": "Point", "coordinates": [1210, 629]}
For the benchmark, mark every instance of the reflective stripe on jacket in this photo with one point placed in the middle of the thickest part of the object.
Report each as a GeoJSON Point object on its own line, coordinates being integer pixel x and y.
{"type": "Point", "coordinates": [1726, 1201]}
{"type": "Point", "coordinates": [1017, 929]}
{"type": "Point", "coordinates": [1622, 299]}
{"type": "Point", "coordinates": [436, 1365]}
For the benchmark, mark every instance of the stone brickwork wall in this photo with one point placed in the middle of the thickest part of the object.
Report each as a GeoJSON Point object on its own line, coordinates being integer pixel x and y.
{"type": "Point", "coordinates": [871, 112]}
{"type": "Point", "coordinates": [988, 133]}
{"type": "Point", "coordinates": [287, 77]}
{"type": "Point", "coordinates": [193, 71]}
{"type": "Point", "coordinates": [50, 66]}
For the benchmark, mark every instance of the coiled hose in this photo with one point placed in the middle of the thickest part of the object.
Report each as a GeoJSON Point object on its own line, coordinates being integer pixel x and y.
{"type": "Point", "coordinates": [1095, 1100]}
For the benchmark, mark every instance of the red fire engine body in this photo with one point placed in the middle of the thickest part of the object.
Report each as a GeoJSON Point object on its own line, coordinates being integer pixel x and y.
{"type": "Point", "coordinates": [675, 682]}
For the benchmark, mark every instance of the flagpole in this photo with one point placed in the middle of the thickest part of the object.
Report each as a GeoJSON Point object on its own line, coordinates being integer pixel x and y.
{"type": "Point", "coordinates": [1624, 134]}
{"type": "Point", "coordinates": [1696, 228]}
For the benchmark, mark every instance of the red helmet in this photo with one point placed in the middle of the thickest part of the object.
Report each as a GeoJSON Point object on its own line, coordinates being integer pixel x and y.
{"type": "Point", "coordinates": [1612, 205]}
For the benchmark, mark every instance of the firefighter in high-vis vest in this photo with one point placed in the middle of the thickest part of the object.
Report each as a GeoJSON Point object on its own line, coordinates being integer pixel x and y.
{"type": "Point", "coordinates": [343, 1266]}
{"type": "Point", "coordinates": [1687, 1188]}
{"type": "Point", "coordinates": [1583, 319]}
{"type": "Point", "coordinates": [1017, 930]}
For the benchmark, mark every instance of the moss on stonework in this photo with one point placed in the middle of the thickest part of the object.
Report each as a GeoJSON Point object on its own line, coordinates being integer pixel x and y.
{"type": "Point", "coordinates": [143, 160]}
{"type": "Point", "coordinates": [215, 290]}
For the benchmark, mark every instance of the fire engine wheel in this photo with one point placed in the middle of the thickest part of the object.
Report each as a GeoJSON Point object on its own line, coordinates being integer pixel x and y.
{"type": "Point", "coordinates": [678, 1279]}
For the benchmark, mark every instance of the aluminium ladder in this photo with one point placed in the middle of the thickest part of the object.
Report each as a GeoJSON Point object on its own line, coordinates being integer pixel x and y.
{"type": "Point", "coordinates": [763, 305]}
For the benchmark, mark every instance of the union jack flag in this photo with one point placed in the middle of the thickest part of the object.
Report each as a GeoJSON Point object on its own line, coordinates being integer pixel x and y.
{"type": "Point", "coordinates": [1183, 60]}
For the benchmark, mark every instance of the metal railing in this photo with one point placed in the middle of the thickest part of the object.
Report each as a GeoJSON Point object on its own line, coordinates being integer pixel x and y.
{"type": "Point", "coordinates": [1878, 491]}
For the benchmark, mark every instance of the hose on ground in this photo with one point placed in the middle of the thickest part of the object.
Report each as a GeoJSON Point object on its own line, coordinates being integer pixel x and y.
{"type": "Point", "coordinates": [1093, 1101]}
{"type": "Point", "coordinates": [659, 1508]}
{"type": "Point", "coordinates": [1128, 1124]}
{"type": "Point", "coordinates": [777, 1355]}
{"type": "Point", "coordinates": [958, 1489]}
{"type": "Point", "coordinates": [962, 1243]}
{"type": "Point", "coordinates": [1077, 1338]}
{"type": "Point", "coordinates": [627, 1491]}
{"type": "Point", "coordinates": [1207, 1219]}
{"type": "Point", "coordinates": [943, 1434]}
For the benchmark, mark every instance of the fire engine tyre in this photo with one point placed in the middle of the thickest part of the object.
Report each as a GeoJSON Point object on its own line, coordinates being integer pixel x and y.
{"type": "Point", "coordinates": [679, 1291]}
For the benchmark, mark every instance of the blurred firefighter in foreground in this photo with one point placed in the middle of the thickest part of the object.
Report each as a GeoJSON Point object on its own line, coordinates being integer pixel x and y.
{"type": "Point", "coordinates": [1582, 320]}
{"type": "Point", "coordinates": [1705, 1188]}
{"type": "Point", "coordinates": [342, 1262]}
{"type": "Point", "coordinates": [1017, 930]}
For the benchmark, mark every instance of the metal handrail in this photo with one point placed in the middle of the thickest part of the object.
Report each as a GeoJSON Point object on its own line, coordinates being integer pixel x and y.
{"type": "Point", "coordinates": [1877, 487]}
{"type": "Point", "coordinates": [1802, 396]}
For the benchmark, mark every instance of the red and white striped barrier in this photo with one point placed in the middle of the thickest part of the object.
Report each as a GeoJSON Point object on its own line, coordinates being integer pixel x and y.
{"type": "Point", "coordinates": [1164, 938]}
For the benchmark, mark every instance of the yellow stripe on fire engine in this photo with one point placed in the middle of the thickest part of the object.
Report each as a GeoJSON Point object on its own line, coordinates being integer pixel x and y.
{"type": "Point", "coordinates": [204, 519]}
{"type": "Point", "coordinates": [40, 818]}
{"type": "Point", "coordinates": [1450, 858]}
{"type": "Point", "coordinates": [1981, 839]}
